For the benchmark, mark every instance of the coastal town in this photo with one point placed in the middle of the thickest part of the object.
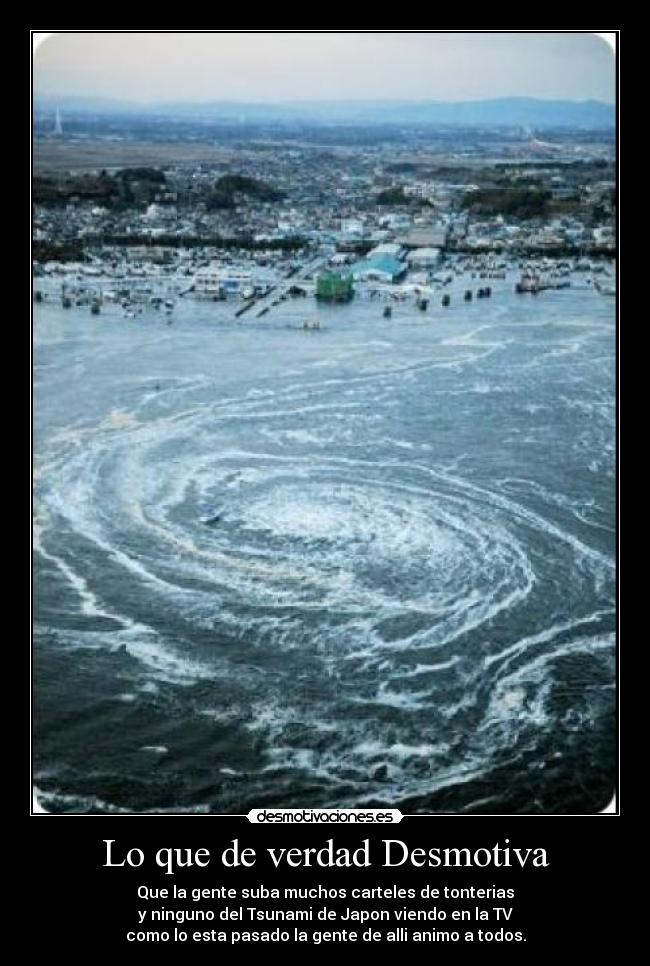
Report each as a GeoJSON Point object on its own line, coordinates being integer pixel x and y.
{"type": "Point", "coordinates": [264, 218]}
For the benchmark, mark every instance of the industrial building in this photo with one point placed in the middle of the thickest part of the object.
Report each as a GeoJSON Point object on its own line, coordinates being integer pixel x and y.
{"type": "Point", "coordinates": [424, 257]}
{"type": "Point", "coordinates": [215, 280]}
{"type": "Point", "coordinates": [333, 287]}
{"type": "Point", "coordinates": [386, 248]}
{"type": "Point", "coordinates": [378, 268]}
{"type": "Point", "coordinates": [431, 236]}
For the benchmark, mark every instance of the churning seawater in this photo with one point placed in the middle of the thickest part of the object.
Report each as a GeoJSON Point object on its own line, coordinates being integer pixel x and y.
{"type": "Point", "coordinates": [370, 564]}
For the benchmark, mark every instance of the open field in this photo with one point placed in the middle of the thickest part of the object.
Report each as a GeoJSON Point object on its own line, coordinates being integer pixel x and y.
{"type": "Point", "coordinates": [58, 156]}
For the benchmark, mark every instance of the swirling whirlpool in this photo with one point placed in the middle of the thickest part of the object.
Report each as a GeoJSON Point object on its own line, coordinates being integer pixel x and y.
{"type": "Point", "coordinates": [340, 630]}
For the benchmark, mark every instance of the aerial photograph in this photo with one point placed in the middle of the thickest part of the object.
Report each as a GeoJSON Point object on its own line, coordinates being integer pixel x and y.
{"type": "Point", "coordinates": [324, 422]}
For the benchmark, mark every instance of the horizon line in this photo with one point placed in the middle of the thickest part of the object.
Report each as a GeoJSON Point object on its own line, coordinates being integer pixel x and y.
{"type": "Point", "coordinates": [327, 100]}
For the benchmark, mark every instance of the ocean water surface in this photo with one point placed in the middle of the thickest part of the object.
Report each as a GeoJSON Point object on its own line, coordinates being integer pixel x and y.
{"type": "Point", "coordinates": [369, 564]}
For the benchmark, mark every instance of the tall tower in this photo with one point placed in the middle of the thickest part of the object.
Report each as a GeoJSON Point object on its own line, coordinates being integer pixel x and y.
{"type": "Point", "coordinates": [58, 127]}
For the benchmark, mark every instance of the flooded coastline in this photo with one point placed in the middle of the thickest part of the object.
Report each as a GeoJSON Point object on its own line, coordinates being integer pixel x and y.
{"type": "Point", "coordinates": [372, 563]}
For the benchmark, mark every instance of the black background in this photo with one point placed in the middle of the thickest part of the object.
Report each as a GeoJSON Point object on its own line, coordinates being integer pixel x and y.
{"type": "Point", "coordinates": [571, 906]}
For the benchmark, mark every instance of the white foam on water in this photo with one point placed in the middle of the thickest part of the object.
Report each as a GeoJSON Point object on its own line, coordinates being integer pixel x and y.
{"type": "Point", "coordinates": [543, 637]}
{"type": "Point", "coordinates": [371, 574]}
{"type": "Point", "coordinates": [90, 605]}
{"type": "Point", "coordinates": [430, 668]}
{"type": "Point", "coordinates": [512, 706]}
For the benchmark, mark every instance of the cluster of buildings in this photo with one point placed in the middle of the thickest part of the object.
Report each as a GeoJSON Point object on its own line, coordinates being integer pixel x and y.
{"type": "Point", "coordinates": [331, 204]}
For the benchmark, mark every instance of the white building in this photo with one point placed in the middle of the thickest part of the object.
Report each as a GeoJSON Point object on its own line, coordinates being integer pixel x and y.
{"type": "Point", "coordinates": [352, 227]}
{"type": "Point", "coordinates": [154, 212]}
{"type": "Point", "coordinates": [603, 235]}
{"type": "Point", "coordinates": [424, 257]}
{"type": "Point", "coordinates": [386, 248]}
{"type": "Point", "coordinates": [216, 279]}
{"type": "Point", "coordinates": [398, 221]}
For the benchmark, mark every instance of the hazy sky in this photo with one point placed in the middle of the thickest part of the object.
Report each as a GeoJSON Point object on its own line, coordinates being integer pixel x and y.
{"type": "Point", "coordinates": [304, 66]}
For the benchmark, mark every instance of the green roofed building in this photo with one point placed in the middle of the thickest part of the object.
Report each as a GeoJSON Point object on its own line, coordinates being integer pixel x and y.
{"type": "Point", "coordinates": [332, 287]}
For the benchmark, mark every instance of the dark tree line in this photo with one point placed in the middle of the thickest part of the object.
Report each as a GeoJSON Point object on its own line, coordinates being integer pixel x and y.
{"type": "Point", "coordinates": [230, 187]}
{"type": "Point", "coordinates": [516, 202]}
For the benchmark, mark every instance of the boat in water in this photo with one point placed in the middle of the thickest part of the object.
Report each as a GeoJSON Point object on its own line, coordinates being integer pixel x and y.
{"type": "Point", "coordinates": [532, 281]}
{"type": "Point", "coordinates": [529, 281]}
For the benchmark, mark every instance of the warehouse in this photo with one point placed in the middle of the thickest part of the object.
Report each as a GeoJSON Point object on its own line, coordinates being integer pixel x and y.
{"type": "Point", "coordinates": [334, 287]}
{"type": "Point", "coordinates": [386, 248]}
{"type": "Point", "coordinates": [430, 236]}
{"type": "Point", "coordinates": [378, 268]}
{"type": "Point", "coordinates": [424, 258]}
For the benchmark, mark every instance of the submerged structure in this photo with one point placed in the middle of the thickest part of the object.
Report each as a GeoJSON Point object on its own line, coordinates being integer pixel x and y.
{"type": "Point", "coordinates": [334, 287]}
{"type": "Point", "coordinates": [379, 268]}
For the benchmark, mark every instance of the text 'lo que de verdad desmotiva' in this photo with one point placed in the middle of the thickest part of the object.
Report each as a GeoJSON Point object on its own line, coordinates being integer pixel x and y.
{"type": "Point", "coordinates": [389, 853]}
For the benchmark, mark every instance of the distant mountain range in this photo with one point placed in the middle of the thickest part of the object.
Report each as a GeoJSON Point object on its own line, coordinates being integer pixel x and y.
{"type": "Point", "coordinates": [498, 112]}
